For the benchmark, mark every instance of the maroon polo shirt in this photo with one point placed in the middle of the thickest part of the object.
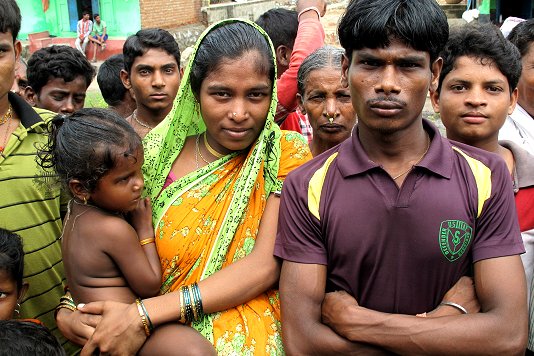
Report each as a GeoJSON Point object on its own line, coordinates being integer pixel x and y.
{"type": "Point", "coordinates": [398, 250]}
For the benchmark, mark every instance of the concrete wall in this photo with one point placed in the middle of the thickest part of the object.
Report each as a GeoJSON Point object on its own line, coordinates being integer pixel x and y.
{"type": "Point", "coordinates": [249, 10]}
{"type": "Point", "coordinates": [169, 13]}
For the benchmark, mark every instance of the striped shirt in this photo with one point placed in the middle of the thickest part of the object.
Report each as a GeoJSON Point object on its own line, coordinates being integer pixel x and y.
{"type": "Point", "coordinates": [30, 206]}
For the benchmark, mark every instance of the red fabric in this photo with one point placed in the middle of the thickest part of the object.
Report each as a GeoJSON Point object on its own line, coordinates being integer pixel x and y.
{"type": "Point", "coordinates": [291, 123]}
{"type": "Point", "coordinates": [524, 202]}
{"type": "Point", "coordinates": [310, 36]}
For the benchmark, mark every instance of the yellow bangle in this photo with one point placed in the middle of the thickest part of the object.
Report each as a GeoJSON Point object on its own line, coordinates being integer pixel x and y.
{"type": "Point", "coordinates": [147, 241]}
{"type": "Point", "coordinates": [182, 319]}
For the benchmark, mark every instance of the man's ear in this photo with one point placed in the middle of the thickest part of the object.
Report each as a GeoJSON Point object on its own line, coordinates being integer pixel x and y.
{"type": "Point", "coordinates": [434, 98]}
{"type": "Point", "coordinates": [283, 55]}
{"type": "Point", "coordinates": [301, 104]}
{"type": "Point", "coordinates": [345, 63]}
{"type": "Point", "coordinates": [18, 50]}
{"type": "Point", "coordinates": [436, 71]}
{"type": "Point", "coordinates": [513, 101]}
{"type": "Point", "coordinates": [125, 78]}
{"type": "Point", "coordinates": [78, 190]}
{"type": "Point", "coordinates": [30, 96]}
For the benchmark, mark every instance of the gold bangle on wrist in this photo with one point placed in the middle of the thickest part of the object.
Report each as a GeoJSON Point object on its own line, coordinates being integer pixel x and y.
{"type": "Point", "coordinates": [147, 241]}
{"type": "Point", "coordinates": [182, 319]}
{"type": "Point", "coordinates": [143, 317]}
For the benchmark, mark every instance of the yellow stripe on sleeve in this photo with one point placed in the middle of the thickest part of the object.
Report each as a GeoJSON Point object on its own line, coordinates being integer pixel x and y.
{"type": "Point", "coordinates": [482, 175]}
{"type": "Point", "coordinates": [315, 186]}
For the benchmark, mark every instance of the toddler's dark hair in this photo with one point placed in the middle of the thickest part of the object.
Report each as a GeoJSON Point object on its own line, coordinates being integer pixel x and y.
{"type": "Point", "coordinates": [86, 144]}
{"type": "Point", "coordinates": [23, 338]}
{"type": "Point", "coordinates": [12, 255]}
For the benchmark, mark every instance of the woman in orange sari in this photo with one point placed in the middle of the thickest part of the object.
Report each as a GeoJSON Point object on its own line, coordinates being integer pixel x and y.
{"type": "Point", "coordinates": [213, 170]}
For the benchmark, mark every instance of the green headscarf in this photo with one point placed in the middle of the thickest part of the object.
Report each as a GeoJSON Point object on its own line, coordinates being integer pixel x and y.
{"type": "Point", "coordinates": [164, 143]}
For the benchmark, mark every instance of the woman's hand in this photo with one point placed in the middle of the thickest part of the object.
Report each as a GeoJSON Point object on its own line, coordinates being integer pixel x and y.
{"type": "Point", "coordinates": [141, 219]}
{"type": "Point", "coordinates": [76, 326]}
{"type": "Point", "coordinates": [120, 332]}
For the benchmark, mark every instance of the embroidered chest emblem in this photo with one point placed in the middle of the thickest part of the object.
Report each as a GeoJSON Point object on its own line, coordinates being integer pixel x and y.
{"type": "Point", "coordinates": [454, 238]}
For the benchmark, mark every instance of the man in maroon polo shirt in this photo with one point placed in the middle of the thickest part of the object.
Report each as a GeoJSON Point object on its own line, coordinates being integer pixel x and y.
{"type": "Point", "coordinates": [393, 217]}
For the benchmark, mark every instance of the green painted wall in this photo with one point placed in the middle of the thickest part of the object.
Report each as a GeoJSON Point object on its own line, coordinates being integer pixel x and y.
{"type": "Point", "coordinates": [33, 17]}
{"type": "Point", "coordinates": [123, 17]}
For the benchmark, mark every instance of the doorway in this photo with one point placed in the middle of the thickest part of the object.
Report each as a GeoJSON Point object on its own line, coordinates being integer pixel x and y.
{"type": "Point", "coordinates": [76, 9]}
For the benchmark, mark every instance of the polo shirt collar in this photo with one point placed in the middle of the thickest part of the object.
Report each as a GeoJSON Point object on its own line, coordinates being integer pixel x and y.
{"type": "Point", "coordinates": [353, 159]}
{"type": "Point", "coordinates": [27, 115]}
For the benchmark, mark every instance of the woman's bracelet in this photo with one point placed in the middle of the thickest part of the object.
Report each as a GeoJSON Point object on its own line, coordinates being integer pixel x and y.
{"type": "Point", "coordinates": [147, 241]}
{"type": "Point", "coordinates": [143, 317]}
{"type": "Point", "coordinates": [65, 302]}
{"type": "Point", "coordinates": [191, 308]}
{"type": "Point", "coordinates": [311, 8]}
{"type": "Point", "coordinates": [455, 305]}
{"type": "Point", "coordinates": [150, 325]}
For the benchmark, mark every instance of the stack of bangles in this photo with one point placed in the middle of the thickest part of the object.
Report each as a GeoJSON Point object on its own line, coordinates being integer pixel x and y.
{"type": "Point", "coordinates": [66, 302]}
{"type": "Point", "coordinates": [145, 319]}
{"type": "Point", "coordinates": [190, 304]}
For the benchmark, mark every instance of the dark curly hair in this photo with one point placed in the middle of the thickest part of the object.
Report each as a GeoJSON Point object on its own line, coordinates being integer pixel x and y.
{"type": "Point", "coordinates": [486, 43]}
{"type": "Point", "coordinates": [62, 62]}
{"type": "Point", "coordinates": [11, 255]}
{"type": "Point", "coordinates": [86, 144]}
{"type": "Point", "coordinates": [420, 24]}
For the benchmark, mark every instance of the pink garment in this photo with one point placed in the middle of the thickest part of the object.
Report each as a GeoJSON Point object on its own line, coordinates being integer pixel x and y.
{"type": "Point", "coordinates": [170, 178]}
{"type": "Point", "coordinates": [310, 36]}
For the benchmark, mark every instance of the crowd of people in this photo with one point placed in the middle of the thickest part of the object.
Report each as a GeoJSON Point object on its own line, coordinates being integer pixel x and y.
{"type": "Point", "coordinates": [274, 195]}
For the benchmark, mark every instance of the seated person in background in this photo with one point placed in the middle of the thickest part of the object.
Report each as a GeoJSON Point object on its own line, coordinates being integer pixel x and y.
{"type": "Point", "coordinates": [477, 90]}
{"type": "Point", "coordinates": [99, 35]}
{"type": "Point", "coordinates": [23, 338]}
{"type": "Point", "coordinates": [519, 125]}
{"type": "Point", "coordinates": [324, 100]}
{"type": "Point", "coordinates": [58, 78]}
{"type": "Point", "coordinates": [113, 91]}
{"type": "Point", "coordinates": [295, 34]}
{"type": "Point", "coordinates": [12, 288]}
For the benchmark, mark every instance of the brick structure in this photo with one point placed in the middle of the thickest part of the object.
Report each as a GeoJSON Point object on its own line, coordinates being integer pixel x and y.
{"type": "Point", "coordinates": [169, 13]}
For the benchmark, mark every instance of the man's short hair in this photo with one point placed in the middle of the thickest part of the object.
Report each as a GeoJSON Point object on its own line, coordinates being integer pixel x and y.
{"type": "Point", "coordinates": [19, 337]}
{"type": "Point", "coordinates": [57, 62]}
{"type": "Point", "coordinates": [486, 43]}
{"type": "Point", "coordinates": [86, 12]}
{"type": "Point", "coordinates": [420, 24]}
{"type": "Point", "coordinates": [281, 25]}
{"type": "Point", "coordinates": [522, 35]}
{"type": "Point", "coordinates": [109, 80]}
{"type": "Point", "coordinates": [138, 44]}
{"type": "Point", "coordinates": [10, 18]}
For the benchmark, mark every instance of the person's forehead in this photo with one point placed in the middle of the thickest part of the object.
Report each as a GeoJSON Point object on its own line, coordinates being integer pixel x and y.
{"type": "Point", "coordinates": [77, 85]}
{"type": "Point", "coordinates": [396, 47]}
{"type": "Point", "coordinates": [154, 56]}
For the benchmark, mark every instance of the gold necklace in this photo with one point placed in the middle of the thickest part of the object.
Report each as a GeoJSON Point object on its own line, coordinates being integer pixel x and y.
{"type": "Point", "coordinates": [197, 152]}
{"type": "Point", "coordinates": [134, 114]}
{"type": "Point", "coordinates": [7, 116]}
{"type": "Point", "coordinates": [8, 127]}
{"type": "Point", "coordinates": [211, 149]}
{"type": "Point", "coordinates": [419, 160]}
